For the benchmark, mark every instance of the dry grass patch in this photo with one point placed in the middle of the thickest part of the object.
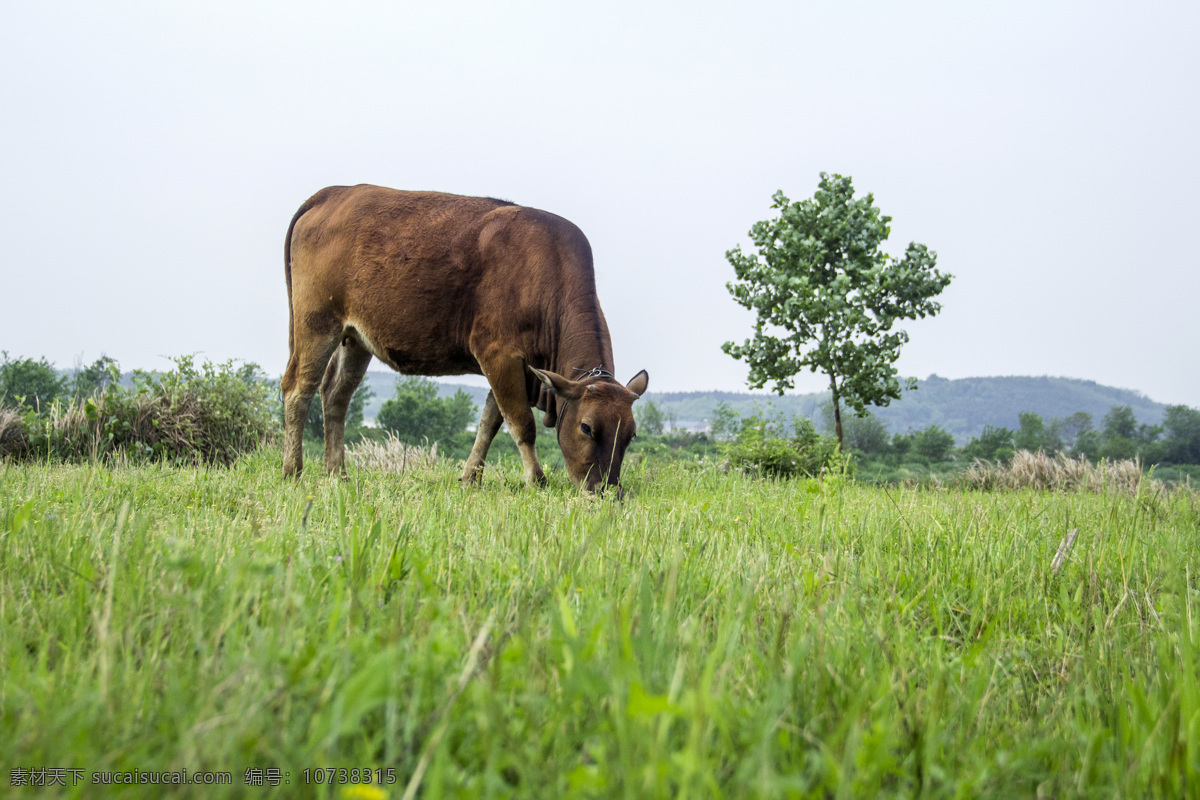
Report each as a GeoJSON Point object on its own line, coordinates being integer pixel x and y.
{"type": "Point", "coordinates": [13, 440]}
{"type": "Point", "coordinates": [392, 455]}
{"type": "Point", "coordinates": [1057, 473]}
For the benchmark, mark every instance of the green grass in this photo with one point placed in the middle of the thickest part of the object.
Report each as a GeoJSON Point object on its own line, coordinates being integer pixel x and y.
{"type": "Point", "coordinates": [710, 635]}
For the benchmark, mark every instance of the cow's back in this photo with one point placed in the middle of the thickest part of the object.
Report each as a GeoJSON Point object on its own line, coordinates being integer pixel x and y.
{"type": "Point", "coordinates": [420, 275]}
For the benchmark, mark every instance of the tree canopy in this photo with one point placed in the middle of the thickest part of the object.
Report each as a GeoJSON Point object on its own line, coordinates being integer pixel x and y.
{"type": "Point", "coordinates": [28, 384]}
{"type": "Point", "coordinates": [828, 298]}
{"type": "Point", "coordinates": [416, 413]}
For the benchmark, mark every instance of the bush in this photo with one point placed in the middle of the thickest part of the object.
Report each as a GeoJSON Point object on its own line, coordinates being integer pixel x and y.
{"type": "Point", "coordinates": [994, 444]}
{"type": "Point", "coordinates": [415, 414]}
{"type": "Point", "coordinates": [933, 443]}
{"type": "Point", "coordinates": [1183, 435]}
{"type": "Point", "coordinates": [29, 385]}
{"type": "Point", "coordinates": [866, 434]}
{"type": "Point", "coordinates": [764, 446]}
{"type": "Point", "coordinates": [210, 414]}
{"type": "Point", "coordinates": [95, 377]}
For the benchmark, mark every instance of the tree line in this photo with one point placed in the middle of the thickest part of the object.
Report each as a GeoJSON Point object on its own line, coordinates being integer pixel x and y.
{"type": "Point", "coordinates": [1119, 436]}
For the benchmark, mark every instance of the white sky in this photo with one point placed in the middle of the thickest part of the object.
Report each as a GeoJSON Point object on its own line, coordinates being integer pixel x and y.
{"type": "Point", "coordinates": [153, 154]}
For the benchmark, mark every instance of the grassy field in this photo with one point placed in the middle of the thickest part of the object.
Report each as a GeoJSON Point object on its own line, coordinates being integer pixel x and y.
{"type": "Point", "coordinates": [711, 635]}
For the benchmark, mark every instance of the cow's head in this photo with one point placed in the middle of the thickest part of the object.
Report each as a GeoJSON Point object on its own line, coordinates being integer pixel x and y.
{"type": "Point", "coordinates": [595, 424]}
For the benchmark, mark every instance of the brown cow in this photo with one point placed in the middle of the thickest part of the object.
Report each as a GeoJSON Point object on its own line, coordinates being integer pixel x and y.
{"type": "Point", "coordinates": [438, 284]}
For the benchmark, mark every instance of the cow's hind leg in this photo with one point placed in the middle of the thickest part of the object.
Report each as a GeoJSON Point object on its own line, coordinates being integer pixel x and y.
{"type": "Point", "coordinates": [343, 375]}
{"type": "Point", "coordinates": [489, 424]}
{"type": "Point", "coordinates": [307, 362]}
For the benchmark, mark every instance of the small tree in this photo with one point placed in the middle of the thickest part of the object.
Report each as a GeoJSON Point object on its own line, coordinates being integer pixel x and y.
{"type": "Point", "coordinates": [28, 384]}
{"type": "Point", "coordinates": [933, 443]}
{"type": "Point", "coordinates": [650, 418]}
{"type": "Point", "coordinates": [725, 423]}
{"type": "Point", "coordinates": [93, 379]}
{"type": "Point", "coordinates": [1034, 435]}
{"type": "Point", "coordinates": [1183, 434]}
{"type": "Point", "coordinates": [867, 434]}
{"type": "Point", "coordinates": [1124, 438]}
{"type": "Point", "coordinates": [763, 446]}
{"type": "Point", "coordinates": [1067, 431]}
{"type": "Point", "coordinates": [994, 444]}
{"type": "Point", "coordinates": [416, 413]}
{"type": "Point", "coordinates": [827, 297]}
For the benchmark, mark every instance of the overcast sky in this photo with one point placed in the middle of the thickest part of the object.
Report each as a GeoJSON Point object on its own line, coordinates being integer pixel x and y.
{"type": "Point", "coordinates": [153, 154]}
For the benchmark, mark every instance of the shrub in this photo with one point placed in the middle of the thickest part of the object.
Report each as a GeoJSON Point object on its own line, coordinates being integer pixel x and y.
{"type": "Point", "coordinates": [95, 377]}
{"type": "Point", "coordinates": [764, 446]}
{"type": "Point", "coordinates": [416, 414]}
{"type": "Point", "coordinates": [933, 443]}
{"type": "Point", "coordinates": [866, 434]}
{"type": "Point", "coordinates": [1183, 435]}
{"type": "Point", "coordinates": [994, 444]}
{"type": "Point", "coordinates": [29, 385]}
{"type": "Point", "coordinates": [210, 414]}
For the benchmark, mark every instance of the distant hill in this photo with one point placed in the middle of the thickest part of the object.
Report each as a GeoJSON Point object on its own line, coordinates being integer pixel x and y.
{"type": "Point", "coordinates": [962, 406]}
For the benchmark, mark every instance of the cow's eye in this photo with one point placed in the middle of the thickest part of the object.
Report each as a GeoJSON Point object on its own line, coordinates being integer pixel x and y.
{"type": "Point", "coordinates": [587, 429]}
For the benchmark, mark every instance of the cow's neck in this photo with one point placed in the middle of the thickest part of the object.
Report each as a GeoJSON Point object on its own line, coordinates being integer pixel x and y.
{"type": "Point", "coordinates": [584, 346]}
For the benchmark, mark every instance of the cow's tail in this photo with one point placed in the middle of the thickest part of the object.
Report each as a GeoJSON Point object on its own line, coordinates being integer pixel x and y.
{"type": "Point", "coordinates": [287, 270]}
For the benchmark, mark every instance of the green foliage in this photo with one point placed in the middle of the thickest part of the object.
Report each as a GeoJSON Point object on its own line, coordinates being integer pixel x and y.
{"type": "Point", "coordinates": [1123, 438]}
{"type": "Point", "coordinates": [314, 426]}
{"type": "Point", "coordinates": [235, 404]}
{"type": "Point", "coordinates": [28, 385]}
{"type": "Point", "coordinates": [650, 418]}
{"type": "Point", "coordinates": [207, 413]}
{"type": "Point", "coordinates": [94, 378]}
{"type": "Point", "coordinates": [994, 444]}
{"type": "Point", "coordinates": [1120, 423]}
{"type": "Point", "coordinates": [677, 445]}
{"type": "Point", "coordinates": [1182, 425]}
{"type": "Point", "coordinates": [866, 434]}
{"type": "Point", "coordinates": [1089, 443]}
{"type": "Point", "coordinates": [725, 423]}
{"type": "Point", "coordinates": [930, 445]}
{"type": "Point", "coordinates": [1067, 431]}
{"type": "Point", "coordinates": [827, 298]}
{"type": "Point", "coordinates": [1033, 435]}
{"type": "Point", "coordinates": [771, 447]}
{"type": "Point", "coordinates": [933, 443]}
{"type": "Point", "coordinates": [416, 414]}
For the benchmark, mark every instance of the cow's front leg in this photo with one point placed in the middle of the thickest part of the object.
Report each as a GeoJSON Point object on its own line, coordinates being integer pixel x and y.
{"type": "Point", "coordinates": [508, 387]}
{"type": "Point", "coordinates": [489, 424]}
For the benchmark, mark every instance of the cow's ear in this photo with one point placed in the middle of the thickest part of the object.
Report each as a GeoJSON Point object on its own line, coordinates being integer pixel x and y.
{"type": "Point", "coordinates": [639, 383]}
{"type": "Point", "coordinates": [562, 387]}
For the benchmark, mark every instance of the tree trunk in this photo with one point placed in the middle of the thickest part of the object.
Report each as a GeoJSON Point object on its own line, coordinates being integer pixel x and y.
{"type": "Point", "coordinates": [837, 410]}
